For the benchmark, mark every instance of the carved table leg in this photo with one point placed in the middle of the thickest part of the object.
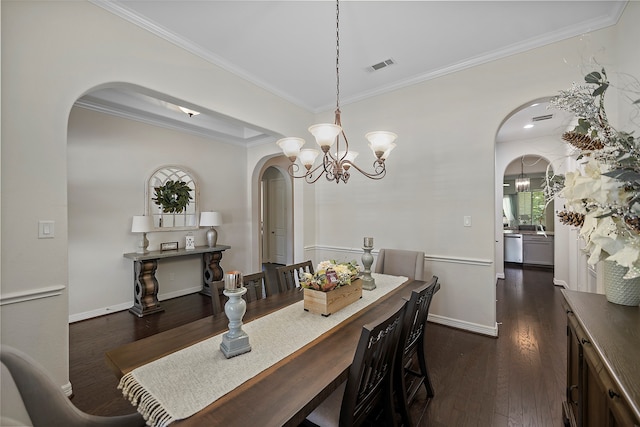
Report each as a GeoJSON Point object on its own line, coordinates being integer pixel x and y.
{"type": "Point", "coordinates": [212, 272]}
{"type": "Point", "coordinates": [145, 288]}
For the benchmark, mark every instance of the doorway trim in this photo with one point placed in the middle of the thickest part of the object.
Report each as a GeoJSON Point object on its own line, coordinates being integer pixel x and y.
{"type": "Point", "coordinates": [280, 163]}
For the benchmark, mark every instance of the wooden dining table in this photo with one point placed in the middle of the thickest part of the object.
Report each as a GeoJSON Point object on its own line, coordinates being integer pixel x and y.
{"type": "Point", "coordinates": [283, 394]}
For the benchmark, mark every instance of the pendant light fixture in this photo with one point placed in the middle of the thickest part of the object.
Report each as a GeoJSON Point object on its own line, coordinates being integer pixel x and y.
{"type": "Point", "coordinates": [336, 161]}
{"type": "Point", "coordinates": [523, 183]}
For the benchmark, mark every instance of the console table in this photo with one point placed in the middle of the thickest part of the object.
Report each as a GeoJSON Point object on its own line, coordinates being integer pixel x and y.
{"type": "Point", "coordinates": [145, 284]}
{"type": "Point", "coordinates": [603, 352]}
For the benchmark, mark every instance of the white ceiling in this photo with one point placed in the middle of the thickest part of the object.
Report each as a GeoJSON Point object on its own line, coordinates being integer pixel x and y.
{"type": "Point", "coordinates": [289, 47]}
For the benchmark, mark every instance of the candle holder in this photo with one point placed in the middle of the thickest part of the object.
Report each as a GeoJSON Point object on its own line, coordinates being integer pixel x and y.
{"type": "Point", "coordinates": [368, 282]}
{"type": "Point", "coordinates": [236, 341]}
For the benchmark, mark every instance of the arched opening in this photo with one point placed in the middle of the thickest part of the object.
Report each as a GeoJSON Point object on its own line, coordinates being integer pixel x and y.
{"type": "Point", "coordinates": [527, 142]}
{"type": "Point", "coordinates": [273, 211]}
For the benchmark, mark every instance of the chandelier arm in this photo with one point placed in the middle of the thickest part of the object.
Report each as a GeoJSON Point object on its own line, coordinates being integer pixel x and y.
{"type": "Point", "coordinates": [294, 168]}
{"type": "Point", "coordinates": [379, 167]}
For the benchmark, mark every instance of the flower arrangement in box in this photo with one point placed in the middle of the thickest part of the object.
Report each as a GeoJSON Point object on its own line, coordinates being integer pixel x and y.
{"type": "Point", "coordinates": [602, 197]}
{"type": "Point", "coordinates": [330, 275]}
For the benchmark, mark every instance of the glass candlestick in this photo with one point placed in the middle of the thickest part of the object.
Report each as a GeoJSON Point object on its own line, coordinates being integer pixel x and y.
{"type": "Point", "coordinates": [368, 282]}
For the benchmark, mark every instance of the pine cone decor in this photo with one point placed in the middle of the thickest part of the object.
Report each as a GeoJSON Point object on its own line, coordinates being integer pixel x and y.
{"type": "Point", "coordinates": [633, 222]}
{"type": "Point", "coordinates": [571, 218]}
{"type": "Point", "coordinates": [582, 142]}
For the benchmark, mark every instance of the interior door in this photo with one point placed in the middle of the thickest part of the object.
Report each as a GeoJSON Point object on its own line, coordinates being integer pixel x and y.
{"type": "Point", "coordinates": [275, 219]}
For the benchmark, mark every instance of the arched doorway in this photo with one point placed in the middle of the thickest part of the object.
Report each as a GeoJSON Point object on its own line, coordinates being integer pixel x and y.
{"type": "Point", "coordinates": [273, 211]}
{"type": "Point", "coordinates": [530, 132]}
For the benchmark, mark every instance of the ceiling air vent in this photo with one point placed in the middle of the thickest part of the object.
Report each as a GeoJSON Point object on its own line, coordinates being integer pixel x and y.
{"type": "Point", "coordinates": [541, 118]}
{"type": "Point", "coordinates": [383, 64]}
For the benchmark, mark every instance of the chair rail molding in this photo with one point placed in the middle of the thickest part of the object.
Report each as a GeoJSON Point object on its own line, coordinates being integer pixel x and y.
{"type": "Point", "coordinates": [427, 257]}
{"type": "Point", "coordinates": [30, 295]}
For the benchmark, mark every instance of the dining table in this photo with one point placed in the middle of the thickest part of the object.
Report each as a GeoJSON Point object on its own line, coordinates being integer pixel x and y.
{"type": "Point", "coordinates": [287, 391]}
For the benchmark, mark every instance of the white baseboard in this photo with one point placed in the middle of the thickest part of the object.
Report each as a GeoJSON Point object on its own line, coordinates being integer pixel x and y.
{"type": "Point", "coordinates": [67, 389]}
{"type": "Point", "coordinates": [467, 326]}
{"type": "Point", "coordinates": [559, 282]}
{"type": "Point", "coordinates": [499, 276]}
{"type": "Point", "coordinates": [126, 305]}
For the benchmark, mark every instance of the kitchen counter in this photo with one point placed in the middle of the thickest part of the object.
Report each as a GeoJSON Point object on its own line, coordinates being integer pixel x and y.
{"type": "Point", "coordinates": [525, 232]}
{"type": "Point", "coordinates": [529, 247]}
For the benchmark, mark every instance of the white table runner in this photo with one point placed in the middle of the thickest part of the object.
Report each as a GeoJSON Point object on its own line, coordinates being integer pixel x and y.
{"type": "Point", "coordinates": [185, 382]}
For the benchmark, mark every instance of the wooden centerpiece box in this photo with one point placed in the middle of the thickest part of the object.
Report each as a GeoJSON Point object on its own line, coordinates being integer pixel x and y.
{"type": "Point", "coordinates": [325, 303]}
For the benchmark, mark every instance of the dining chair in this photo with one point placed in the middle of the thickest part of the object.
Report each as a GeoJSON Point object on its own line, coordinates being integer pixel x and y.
{"type": "Point", "coordinates": [289, 275]}
{"type": "Point", "coordinates": [367, 393]}
{"type": "Point", "coordinates": [46, 403]}
{"type": "Point", "coordinates": [256, 285]}
{"type": "Point", "coordinates": [407, 378]}
{"type": "Point", "coordinates": [399, 262]}
{"type": "Point", "coordinates": [217, 297]}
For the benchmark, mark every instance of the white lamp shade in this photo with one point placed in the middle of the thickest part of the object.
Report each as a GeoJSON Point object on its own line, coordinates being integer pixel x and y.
{"type": "Point", "coordinates": [350, 155]}
{"type": "Point", "coordinates": [387, 151]}
{"type": "Point", "coordinates": [380, 140]}
{"type": "Point", "coordinates": [141, 224]}
{"type": "Point", "coordinates": [291, 146]}
{"type": "Point", "coordinates": [325, 133]}
{"type": "Point", "coordinates": [210, 219]}
{"type": "Point", "coordinates": [308, 156]}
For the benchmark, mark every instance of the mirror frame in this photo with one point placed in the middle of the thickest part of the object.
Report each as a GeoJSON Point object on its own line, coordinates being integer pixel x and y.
{"type": "Point", "coordinates": [187, 220]}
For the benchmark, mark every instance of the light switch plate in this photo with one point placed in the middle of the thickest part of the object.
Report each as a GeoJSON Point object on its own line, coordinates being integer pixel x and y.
{"type": "Point", "coordinates": [46, 229]}
{"type": "Point", "coordinates": [467, 221]}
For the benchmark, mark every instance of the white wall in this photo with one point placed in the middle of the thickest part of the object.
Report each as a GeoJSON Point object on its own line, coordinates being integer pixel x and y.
{"type": "Point", "coordinates": [53, 53]}
{"type": "Point", "coordinates": [109, 162]}
{"type": "Point", "coordinates": [442, 169]}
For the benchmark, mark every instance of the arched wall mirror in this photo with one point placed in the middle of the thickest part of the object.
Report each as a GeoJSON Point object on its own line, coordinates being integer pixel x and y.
{"type": "Point", "coordinates": [171, 198]}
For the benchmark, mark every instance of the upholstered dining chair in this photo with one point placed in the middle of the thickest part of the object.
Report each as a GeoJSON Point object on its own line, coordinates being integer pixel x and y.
{"type": "Point", "coordinates": [407, 377]}
{"type": "Point", "coordinates": [289, 275]}
{"type": "Point", "coordinates": [399, 262]}
{"type": "Point", "coordinates": [368, 387]}
{"type": "Point", "coordinates": [46, 403]}
{"type": "Point", "coordinates": [256, 285]}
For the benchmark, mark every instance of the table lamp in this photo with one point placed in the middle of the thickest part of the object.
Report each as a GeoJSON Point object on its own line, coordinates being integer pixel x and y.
{"type": "Point", "coordinates": [141, 224]}
{"type": "Point", "coordinates": [211, 219]}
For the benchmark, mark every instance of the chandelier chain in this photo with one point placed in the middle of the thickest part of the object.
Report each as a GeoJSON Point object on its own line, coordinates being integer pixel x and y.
{"type": "Point", "coordinates": [336, 164]}
{"type": "Point", "coordinates": [337, 55]}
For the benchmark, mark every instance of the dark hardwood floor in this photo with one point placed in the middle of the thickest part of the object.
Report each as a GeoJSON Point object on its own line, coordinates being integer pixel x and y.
{"type": "Point", "coordinates": [514, 380]}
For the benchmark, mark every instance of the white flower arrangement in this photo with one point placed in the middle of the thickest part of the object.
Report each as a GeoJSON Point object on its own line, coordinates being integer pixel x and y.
{"type": "Point", "coordinates": [603, 195]}
{"type": "Point", "coordinates": [330, 275]}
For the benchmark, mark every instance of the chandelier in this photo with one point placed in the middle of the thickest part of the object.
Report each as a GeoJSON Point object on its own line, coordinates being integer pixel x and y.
{"type": "Point", "coordinates": [336, 161]}
{"type": "Point", "coordinates": [523, 184]}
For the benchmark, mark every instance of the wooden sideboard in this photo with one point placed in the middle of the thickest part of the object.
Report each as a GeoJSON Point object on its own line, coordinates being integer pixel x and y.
{"type": "Point", "coordinates": [603, 362]}
{"type": "Point", "coordinates": [145, 284]}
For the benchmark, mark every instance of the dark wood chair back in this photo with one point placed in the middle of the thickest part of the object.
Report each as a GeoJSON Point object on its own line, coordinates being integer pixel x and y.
{"type": "Point", "coordinates": [256, 284]}
{"type": "Point", "coordinates": [407, 381]}
{"type": "Point", "coordinates": [369, 383]}
{"type": "Point", "coordinates": [288, 275]}
{"type": "Point", "coordinates": [217, 298]}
